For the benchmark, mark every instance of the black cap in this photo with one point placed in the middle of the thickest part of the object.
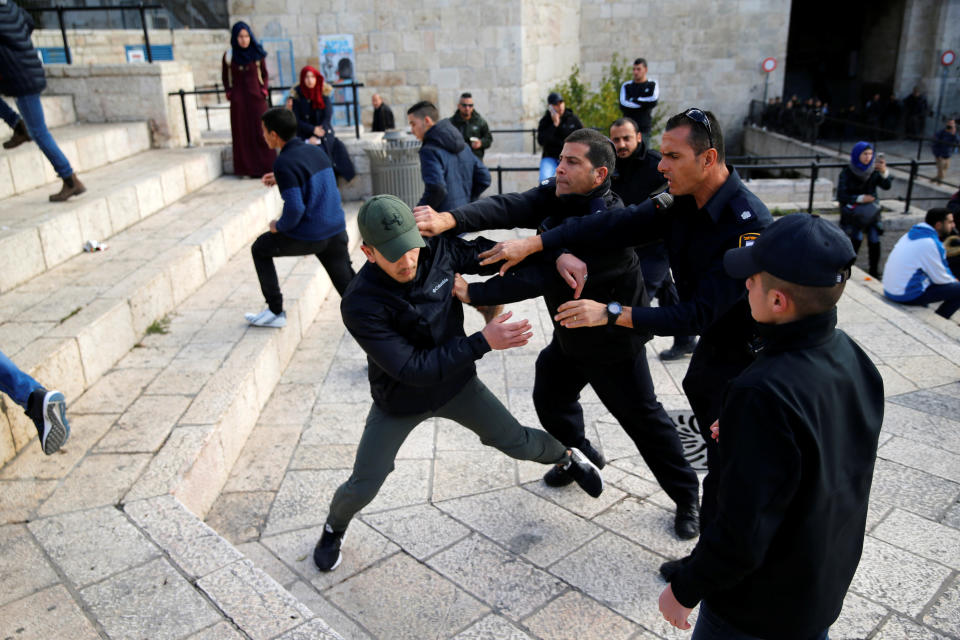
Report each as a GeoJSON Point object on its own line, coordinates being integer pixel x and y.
{"type": "Point", "coordinates": [800, 248]}
{"type": "Point", "coordinates": [554, 98]}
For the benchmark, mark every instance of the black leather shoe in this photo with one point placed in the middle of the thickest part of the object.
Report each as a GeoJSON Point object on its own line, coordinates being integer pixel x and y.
{"type": "Point", "coordinates": [558, 476]}
{"type": "Point", "coordinates": [670, 568]}
{"type": "Point", "coordinates": [678, 351]}
{"type": "Point", "coordinates": [687, 522]}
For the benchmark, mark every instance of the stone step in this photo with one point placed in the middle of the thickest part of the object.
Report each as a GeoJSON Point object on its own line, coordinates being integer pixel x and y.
{"type": "Point", "coordinates": [86, 146]}
{"type": "Point", "coordinates": [119, 509]}
{"type": "Point", "coordinates": [58, 110]}
{"type": "Point", "coordinates": [68, 326]}
{"type": "Point", "coordinates": [36, 234]}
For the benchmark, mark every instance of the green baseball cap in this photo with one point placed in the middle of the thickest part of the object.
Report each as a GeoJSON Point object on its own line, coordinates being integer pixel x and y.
{"type": "Point", "coordinates": [386, 224]}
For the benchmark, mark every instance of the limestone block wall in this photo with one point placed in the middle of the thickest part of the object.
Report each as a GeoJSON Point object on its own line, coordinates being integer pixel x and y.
{"type": "Point", "coordinates": [128, 92]}
{"type": "Point", "coordinates": [929, 28]}
{"type": "Point", "coordinates": [705, 54]}
{"type": "Point", "coordinates": [199, 48]}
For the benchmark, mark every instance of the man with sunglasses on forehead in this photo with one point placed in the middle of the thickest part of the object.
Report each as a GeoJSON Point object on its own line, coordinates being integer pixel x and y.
{"type": "Point", "coordinates": [712, 212]}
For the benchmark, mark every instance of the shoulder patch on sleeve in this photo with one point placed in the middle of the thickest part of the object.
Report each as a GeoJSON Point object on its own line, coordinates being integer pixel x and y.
{"type": "Point", "coordinates": [747, 239]}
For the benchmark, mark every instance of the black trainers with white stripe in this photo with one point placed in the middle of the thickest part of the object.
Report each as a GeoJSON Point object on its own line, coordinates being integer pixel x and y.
{"type": "Point", "coordinates": [326, 555]}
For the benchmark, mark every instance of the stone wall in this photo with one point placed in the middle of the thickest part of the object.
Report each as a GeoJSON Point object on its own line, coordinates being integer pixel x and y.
{"type": "Point", "coordinates": [202, 49]}
{"type": "Point", "coordinates": [704, 54]}
{"type": "Point", "coordinates": [929, 28]}
{"type": "Point", "coordinates": [127, 92]}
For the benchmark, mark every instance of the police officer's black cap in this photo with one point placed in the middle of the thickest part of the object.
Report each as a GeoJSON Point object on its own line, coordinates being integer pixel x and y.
{"type": "Point", "coordinates": [800, 248]}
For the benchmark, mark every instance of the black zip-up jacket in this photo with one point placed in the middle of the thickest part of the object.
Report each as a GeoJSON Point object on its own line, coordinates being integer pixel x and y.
{"type": "Point", "coordinates": [798, 441]}
{"type": "Point", "coordinates": [21, 72]}
{"type": "Point", "coordinates": [475, 127]}
{"type": "Point", "coordinates": [551, 138]}
{"type": "Point", "coordinates": [614, 274]}
{"type": "Point", "coordinates": [712, 304]}
{"type": "Point", "coordinates": [418, 355]}
{"type": "Point", "coordinates": [636, 177]}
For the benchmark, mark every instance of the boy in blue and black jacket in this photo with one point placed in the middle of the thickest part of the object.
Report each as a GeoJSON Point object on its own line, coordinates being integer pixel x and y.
{"type": "Point", "coordinates": [312, 220]}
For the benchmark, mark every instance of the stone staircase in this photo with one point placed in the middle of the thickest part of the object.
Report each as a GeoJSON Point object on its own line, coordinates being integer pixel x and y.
{"type": "Point", "coordinates": [164, 380]}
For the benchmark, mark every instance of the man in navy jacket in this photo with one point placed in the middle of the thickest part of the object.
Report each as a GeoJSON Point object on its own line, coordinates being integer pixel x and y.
{"type": "Point", "coordinates": [452, 175]}
{"type": "Point", "coordinates": [312, 220]}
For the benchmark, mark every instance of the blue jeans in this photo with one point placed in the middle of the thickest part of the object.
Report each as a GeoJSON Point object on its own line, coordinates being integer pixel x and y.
{"type": "Point", "coordinates": [856, 235]}
{"type": "Point", "coordinates": [32, 111]}
{"type": "Point", "coordinates": [548, 168]}
{"type": "Point", "coordinates": [16, 383]}
{"type": "Point", "coordinates": [8, 115]}
{"type": "Point", "coordinates": [710, 626]}
{"type": "Point", "coordinates": [949, 293]}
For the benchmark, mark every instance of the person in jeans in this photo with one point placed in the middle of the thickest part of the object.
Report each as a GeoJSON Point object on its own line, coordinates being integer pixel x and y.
{"type": "Point", "coordinates": [401, 310]}
{"type": "Point", "coordinates": [21, 76]}
{"type": "Point", "coordinates": [917, 271]}
{"type": "Point", "coordinates": [47, 409]}
{"type": "Point", "coordinates": [312, 220]}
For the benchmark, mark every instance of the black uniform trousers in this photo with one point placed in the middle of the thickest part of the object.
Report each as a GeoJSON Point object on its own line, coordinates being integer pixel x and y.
{"type": "Point", "coordinates": [626, 389]}
{"type": "Point", "coordinates": [711, 368]}
{"type": "Point", "coordinates": [655, 266]}
{"type": "Point", "coordinates": [333, 253]}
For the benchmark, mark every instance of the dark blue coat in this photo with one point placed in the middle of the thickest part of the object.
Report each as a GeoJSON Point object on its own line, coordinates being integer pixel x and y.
{"type": "Point", "coordinates": [311, 202]}
{"type": "Point", "coordinates": [21, 72]}
{"type": "Point", "coordinates": [452, 175]}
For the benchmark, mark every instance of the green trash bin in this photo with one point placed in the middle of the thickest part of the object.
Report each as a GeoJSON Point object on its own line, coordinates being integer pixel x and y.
{"type": "Point", "coordinates": [395, 167]}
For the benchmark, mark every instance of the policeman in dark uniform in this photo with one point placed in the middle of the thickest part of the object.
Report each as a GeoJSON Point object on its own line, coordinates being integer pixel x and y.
{"type": "Point", "coordinates": [712, 212]}
{"type": "Point", "coordinates": [611, 359]}
{"type": "Point", "coordinates": [635, 178]}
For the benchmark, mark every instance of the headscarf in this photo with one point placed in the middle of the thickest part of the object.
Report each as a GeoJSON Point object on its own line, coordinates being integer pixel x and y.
{"type": "Point", "coordinates": [315, 95]}
{"type": "Point", "coordinates": [252, 53]}
{"type": "Point", "coordinates": [859, 169]}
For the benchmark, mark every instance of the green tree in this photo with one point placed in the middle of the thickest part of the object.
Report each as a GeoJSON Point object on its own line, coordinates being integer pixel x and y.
{"type": "Point", "coordinates": [598, 108]}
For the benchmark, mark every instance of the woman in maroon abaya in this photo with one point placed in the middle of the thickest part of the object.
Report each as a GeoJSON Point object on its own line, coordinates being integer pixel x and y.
{"type": "Point", "coordinates": [245, 82]}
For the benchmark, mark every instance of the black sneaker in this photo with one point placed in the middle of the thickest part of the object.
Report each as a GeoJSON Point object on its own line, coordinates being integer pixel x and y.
{"type": "Point", "coordinates": [585, 473]}
{"type": "Point", "coordinates": [48, 410]}
{"type": "Point", "coordinates": [678, 351]}
{"type": "Point", "coordinates": [687, 522]}
{"type": "Point", "coordinates": [558, 477]}
{"type": "Point", "coordinates": [326, 555]}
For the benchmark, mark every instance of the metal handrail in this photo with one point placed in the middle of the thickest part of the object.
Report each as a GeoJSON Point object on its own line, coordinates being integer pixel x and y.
{"type": "Point", "coordinates": [141, 7]}
{"type": "Point", "coordinates": [814, 168]}
{"type": "Point", "coordinates": [217, 90]}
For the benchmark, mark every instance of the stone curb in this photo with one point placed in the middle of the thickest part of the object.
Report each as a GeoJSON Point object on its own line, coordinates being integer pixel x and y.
{"type": "Point", "coordinates": [86, 146]}
{"type": "Point", "coordinates": [42, 234]}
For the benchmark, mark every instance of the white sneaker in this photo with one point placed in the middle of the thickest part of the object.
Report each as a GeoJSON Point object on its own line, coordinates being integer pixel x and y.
{"type": "Point", "coordinates": [267, 318]}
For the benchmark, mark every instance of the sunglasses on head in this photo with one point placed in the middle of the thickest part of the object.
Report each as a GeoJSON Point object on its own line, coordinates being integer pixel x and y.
{"type": "Point", "coordinates": [699, 116]}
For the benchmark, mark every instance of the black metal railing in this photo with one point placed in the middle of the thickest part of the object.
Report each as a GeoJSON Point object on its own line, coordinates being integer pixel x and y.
{"type": "Point", "coordinates": [217, 90]}
{"type": "Point", "coordinates": [813, 167]}
{"type": "Point", "coordinates": [141, 7]}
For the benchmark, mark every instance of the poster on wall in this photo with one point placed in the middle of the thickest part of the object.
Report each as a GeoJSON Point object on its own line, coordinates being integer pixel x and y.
{"type": "Point", "coordinates": [337, 64]}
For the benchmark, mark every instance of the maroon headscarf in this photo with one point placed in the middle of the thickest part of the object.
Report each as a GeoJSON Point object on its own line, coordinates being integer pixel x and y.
{"type": "Point", "coordinates": [315, 95]}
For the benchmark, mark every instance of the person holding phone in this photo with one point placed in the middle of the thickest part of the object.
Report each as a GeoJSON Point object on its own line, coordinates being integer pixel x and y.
{"type": "Point", "coordinates": [555, 125]}
{"type": "Point", "coordinates": [857, 195]}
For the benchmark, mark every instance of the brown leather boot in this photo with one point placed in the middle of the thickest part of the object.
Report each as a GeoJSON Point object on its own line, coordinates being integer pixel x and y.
{"type": "Point", "coordinates": [20, 135]}
{"type": "Point", "coordinates": [71, 187]}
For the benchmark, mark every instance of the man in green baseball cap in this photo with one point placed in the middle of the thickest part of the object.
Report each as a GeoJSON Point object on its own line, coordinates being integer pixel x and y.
{"type": "Point", "coordinates": [401, 310]}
